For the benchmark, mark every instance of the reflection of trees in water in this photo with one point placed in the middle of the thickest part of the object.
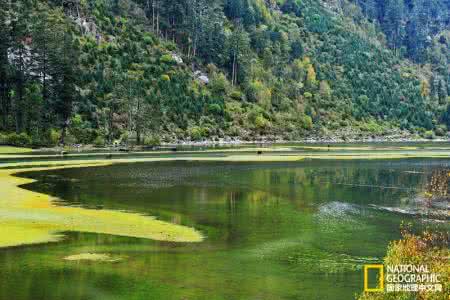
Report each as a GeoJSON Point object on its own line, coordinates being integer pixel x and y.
{"type": "Point", "coordinates": [436, 195]}
{"type": "Point", "coordinates": [437, 185]}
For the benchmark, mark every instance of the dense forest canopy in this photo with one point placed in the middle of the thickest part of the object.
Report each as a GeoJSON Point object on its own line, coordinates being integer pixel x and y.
{"type": "Point", "coordinates": [99, 71]}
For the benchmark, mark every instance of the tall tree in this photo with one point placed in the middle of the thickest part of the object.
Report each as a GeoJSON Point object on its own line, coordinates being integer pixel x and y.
{"type": "Point", "coordinates": [5, 29]}
{"type": "Point", "coordinates": [393, 23]}
{"type": "Point", "coordinates": [239, 44]}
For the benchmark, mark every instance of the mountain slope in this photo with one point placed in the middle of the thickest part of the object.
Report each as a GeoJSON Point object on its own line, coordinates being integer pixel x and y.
{"type": "Point", "coordinates": [148, 70]}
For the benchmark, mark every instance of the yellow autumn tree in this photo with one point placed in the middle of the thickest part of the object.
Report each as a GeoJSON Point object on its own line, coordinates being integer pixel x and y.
{"type": "Point", "coordinates": [311, 79]}
{"type": "Point", "coordinates": [424, 88]}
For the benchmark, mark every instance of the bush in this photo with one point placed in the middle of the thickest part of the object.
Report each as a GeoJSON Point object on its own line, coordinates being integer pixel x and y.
{"type": "Point", "coordinates": [99, 141]}
{"type": "Point", "coordinates": [20, 140]}
{"type": "Point", "coordinates": [165, 77]}
{"type": "Point", "coordinates": [196, 133]}
{"type": "Point", "coordinates": [153, 140]}
{"type": "Point", "coordinates": [167, 59]}
{"type": "Point", "coordinates": [307, 122]}
{"type": "Point", "coordinates": [54, 137]}
{"type": "Point", "coordinates": [236, 95]}
{"type": "Point", "coordinates": [81, 130]}
{"type": "Point", "coordinates": [3, 139]}
{"type": "Point", "coordinates": [441, 130]}
{"type": "Point", "coordinates": [148, 39]}
{"type": "Point", "coordinates": [428, 135]}
{"type": "Point", "coordinates": [215, 109]}
{"type": "Point", "coordinates": [261, 122]}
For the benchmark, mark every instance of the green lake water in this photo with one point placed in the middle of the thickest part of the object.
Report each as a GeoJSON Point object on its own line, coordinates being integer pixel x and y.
{"type": "Point", "coordinates": [299, 230]}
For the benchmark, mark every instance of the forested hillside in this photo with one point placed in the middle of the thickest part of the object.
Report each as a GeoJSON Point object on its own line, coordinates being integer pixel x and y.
{"type": "Point", "coordinates": [146, 71]}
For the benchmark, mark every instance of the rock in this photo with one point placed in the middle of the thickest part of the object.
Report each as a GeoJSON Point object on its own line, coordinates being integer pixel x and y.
{"type": "Point", "coordinates": [204, 79]}
{"type": "Point", "coordinates": [176, 58]}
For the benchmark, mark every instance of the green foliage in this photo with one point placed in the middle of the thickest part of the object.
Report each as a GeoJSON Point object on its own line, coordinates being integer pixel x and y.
{"type": "Point", "coordinates": [99, 141]}
{"type": "Point", "coordinates": [167, 59]}
{"type": "Point", "coordinates": [14, 139]}
{"type": "Point", "coordinates": [288, 68]}
{"type": "Point", "coordinates": [153, 140]}
{"type": "Point", "coordinates": [307, 122]}
{"type": "Point", "coordinates": [215, 109]}
{"type": "Point", "coordinates": [165, 77]}
{"type": "Point", "coordinates": [3, 139]}
{"type": "Point", "coordinates": [441, 130]}
{"type": "Point", "coordinates": [81, 130]}
{"type": "Point", "coordinates": [261, 122]}
{"type": "Point", "coordinates": [429, 134]}
{"type": "Point", "coordinates": [196, 133]}
{"type": "Point", "coordinates": [54, 137]}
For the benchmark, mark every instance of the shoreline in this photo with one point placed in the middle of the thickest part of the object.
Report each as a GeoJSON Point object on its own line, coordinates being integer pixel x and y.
{"type": "Point", "coordinates": [236, 143]}
{"type": "Point", "coordinates": [311, 141]}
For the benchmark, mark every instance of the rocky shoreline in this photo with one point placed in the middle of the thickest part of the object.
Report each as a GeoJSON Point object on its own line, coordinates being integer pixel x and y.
{"type": "Point", "coordinates": [235, 142]}
{"type": "Point", "coordinates": [310, 140]}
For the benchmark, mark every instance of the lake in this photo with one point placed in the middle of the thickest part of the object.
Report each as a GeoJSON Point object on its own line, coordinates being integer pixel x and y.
{"type": "Point", "coordinates": [272, 230]}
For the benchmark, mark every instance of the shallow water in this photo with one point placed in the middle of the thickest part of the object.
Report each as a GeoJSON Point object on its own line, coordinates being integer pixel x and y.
{"type": "Point", "coordinates": [273, 230]}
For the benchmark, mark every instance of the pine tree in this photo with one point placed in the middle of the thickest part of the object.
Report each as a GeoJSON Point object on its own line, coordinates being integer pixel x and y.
{"type": "Point", "coordinates": [4, 63]}
{"type": "Point", "coordinates": [393, 22]}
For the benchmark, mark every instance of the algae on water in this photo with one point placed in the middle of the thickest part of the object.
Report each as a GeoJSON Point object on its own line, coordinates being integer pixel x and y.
{"type": "Point", "coordinates": [28, 217]}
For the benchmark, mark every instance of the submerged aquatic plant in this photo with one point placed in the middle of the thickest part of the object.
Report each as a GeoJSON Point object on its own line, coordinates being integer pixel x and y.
{"type": "Point", "coordinates": [100, 257]}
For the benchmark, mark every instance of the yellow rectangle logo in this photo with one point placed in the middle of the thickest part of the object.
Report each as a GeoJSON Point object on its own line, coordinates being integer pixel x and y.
{"type": "Point", "coordinates": [380, 287]}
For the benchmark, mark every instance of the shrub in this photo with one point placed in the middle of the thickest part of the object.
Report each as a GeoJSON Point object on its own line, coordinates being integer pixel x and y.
{"type": "Point", "coordinates": [428, 135]}
{"type": "Point", "coordinates": [54, 137]}
{"type": "Point", "coordinates": [215, 109]}
{"type": "Point", "coordinates": [308, 95]}
{"type": "Point", "coordinates": [236, 95]}
{"type": "Point", "coordinates": [261, 122]}
{"type": "Point", "coordinates": [148, 39]}
{"type": "Point", "coordinates": [3, 139]}
{"type": "Point", "coordinates": [196, 133]}
{"type": "Point", "coordinates": [441, 130]}
{"type": "Point", "coordinates": [99, 141]}
{"type": "Point", "coordinates": [21, 139]}
{"type": "Point", "coordinates": [167, 59]}
{"type": "Point", "coordinates": [152, 140]}
{"type": "Point", "coordinates": [165, 77]}
{"type": "Point", "coordinates": [125, 137]}
{"type": "Point", "coordinates": [307, 122]}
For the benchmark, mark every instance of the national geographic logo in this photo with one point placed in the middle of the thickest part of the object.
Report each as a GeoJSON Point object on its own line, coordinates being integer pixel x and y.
{"type": "Point", "coordinates": [401, 278]}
